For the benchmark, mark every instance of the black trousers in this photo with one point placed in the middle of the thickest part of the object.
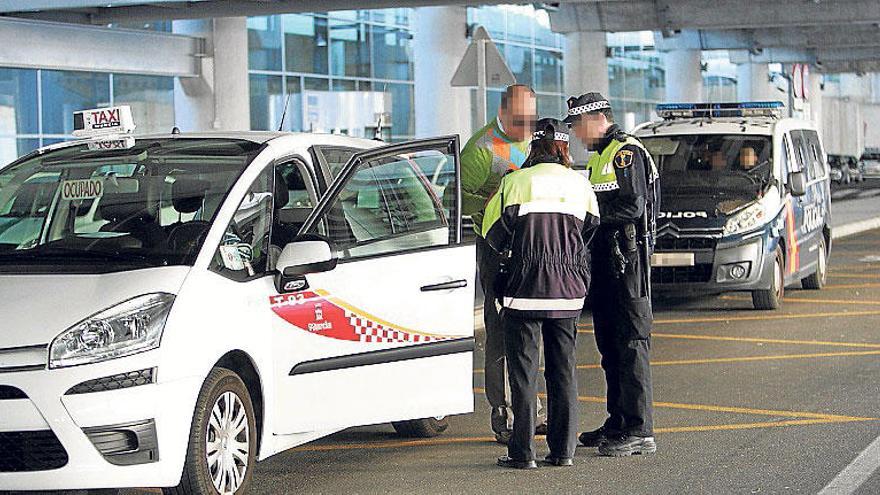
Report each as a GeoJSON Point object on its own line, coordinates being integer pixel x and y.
{"type": "Point", "coordinates": [622, 319]}
{"type": "Point", "coordinates": [488, 262]}
{"type": "Point", "coordinates": [522, 337]}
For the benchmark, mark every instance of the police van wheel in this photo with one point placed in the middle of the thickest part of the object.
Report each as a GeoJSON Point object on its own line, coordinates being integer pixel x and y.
{"type": "Point", "coordinates": [817, 280]}
{"type": "Point", "coordinates": [222, 440]}
{"type": "Point", "coordinates": [421, 428]}
{"type": "Point", "coordinates": [772, 298]}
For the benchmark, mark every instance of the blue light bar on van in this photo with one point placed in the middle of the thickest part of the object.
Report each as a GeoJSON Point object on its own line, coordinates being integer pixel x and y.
{"type": "Point", "coordinates": [668, 111]}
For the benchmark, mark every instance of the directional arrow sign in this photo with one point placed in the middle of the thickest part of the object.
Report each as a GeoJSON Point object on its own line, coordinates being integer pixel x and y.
{"type": "Point", "coordinates": [481, 66]}
{"type": "Point", "coordinates": [497, 72]}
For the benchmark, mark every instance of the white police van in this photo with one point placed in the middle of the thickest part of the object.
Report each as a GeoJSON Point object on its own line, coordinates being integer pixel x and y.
{"type": "Point", "coordinates": [176, 307]}
{"type": "Point", "coordinates": [746, 201]}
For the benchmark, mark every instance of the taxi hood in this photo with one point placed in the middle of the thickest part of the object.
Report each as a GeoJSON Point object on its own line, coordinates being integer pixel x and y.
{"type": "Point", "coordinates": [36, 308]}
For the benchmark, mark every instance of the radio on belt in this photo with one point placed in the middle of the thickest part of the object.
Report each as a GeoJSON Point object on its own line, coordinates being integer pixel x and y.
{"type": "Point", "coordinates": [106, 128]}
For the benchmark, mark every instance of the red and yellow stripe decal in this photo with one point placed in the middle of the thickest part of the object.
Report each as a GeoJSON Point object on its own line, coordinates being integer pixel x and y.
{"type": "Point", "coordinates": [319, 313]}
{"type": "Point", "coordinates": [793, 255]}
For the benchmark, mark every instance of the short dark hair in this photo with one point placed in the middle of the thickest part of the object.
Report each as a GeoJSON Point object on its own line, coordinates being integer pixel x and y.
{"type": "Point", "coordinates": [512, 91]}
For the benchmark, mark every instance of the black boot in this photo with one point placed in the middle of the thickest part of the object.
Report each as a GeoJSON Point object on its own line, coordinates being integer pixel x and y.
{"type": "Point", "coordinates": [551, 460]}
{"type": "Point", "coordinates": [507, 462]}
{"type": "Point", "coordinates": [593, 438]}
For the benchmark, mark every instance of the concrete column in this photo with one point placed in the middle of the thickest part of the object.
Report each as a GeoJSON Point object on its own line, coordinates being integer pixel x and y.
{"type": "Point", "coordinates": [586, 64]}
{"type": "Point", "coordinates": [815, 99]}
{"type": "Point", "coordinates": [684, 80]}
{"type": "Point", "coordinates": [753, 84]}
{"type": "Point", "coordinates": [439, 42]}
{"type": "Point", "coordinates": [220, 98]}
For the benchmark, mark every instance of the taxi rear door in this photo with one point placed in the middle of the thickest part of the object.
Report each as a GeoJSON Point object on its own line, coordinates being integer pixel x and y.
{"type": "Point", "coordinates": [388, 334]}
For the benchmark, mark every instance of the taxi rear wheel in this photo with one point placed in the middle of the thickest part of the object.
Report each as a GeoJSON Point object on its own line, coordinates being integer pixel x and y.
{"type": "Point", "coordinates": [817, 280]}
{"type": "Point", "coordinates": [223, 439]}
{"type": "Point", "coordinates": [421, 428]}
{"type": "Point", "coordinates": [771, 298]}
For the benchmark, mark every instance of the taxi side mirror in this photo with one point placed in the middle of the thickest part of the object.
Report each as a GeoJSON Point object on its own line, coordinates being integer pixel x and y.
{"type": "Point", "coordinates": [797, 183]}
{"type": "Point", "coordinates": [305, 255]}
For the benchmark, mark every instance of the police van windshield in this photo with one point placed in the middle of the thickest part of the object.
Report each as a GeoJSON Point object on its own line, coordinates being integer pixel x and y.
{"type": "Point", "coordinates": [81, 210]}
{"type": "Point", "coordinates": [722, 165]}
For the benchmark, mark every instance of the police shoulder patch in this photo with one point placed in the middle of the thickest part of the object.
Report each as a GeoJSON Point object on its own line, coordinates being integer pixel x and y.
{"type": "Point", "coordinates": [623, 159]}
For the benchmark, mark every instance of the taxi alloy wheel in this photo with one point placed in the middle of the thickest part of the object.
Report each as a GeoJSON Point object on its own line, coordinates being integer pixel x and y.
{"type": "Point", "coordinates": [222, 447]}
{"type": "Point", "coordinates": [817, 280]}
{"type": "Point", "coordinates": [227, 443]}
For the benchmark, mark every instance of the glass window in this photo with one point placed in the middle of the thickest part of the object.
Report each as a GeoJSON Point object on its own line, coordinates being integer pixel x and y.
{"type": "Point", "coordinates": [151, 99]}
{"type": "Point", "coordinates": [18, 102]}
{"type": "Point", "coordinates": [243, 252]}
{"type": "Point", "coordinates": [351, 15]}
{"type": "Point", "coordinates": [551, 106]}
{"type": "Point", "coordinates": [66, 92]}
{"type": "Point", "coordinates": [393, 204]}
{"type": "Point", "coordinates": [392, 53]}
{"type": "Point", "coordinates": [520, 20]}
{"type": "Point", "coordinates": [264, 43]}
{"type": "Point", "coordinates": [305, 43]}
{"type": "Point", "coordinates": [267, 102]}
{"type": "Point", "coordinates": [350, 48]}
{"type": "Point", "coordinates": [344, 85]}
{"type": "Point", "coordinates": [12, 148]}
{"type": "Point", "coordinates": [316, 84]}
{"type": "Point", "coordinates": [399, 16]}
{"type": "Point", "coordinates": [548, 71]}
{"type": "Point", "coordinates": [519, 59]}
{"type": "Point", "coordinates": [402, 110]}
{"type": "Point", "coordinates": [293, 100]}
{"type": "Point", "coordinates": [491, 18]}
{"type": "Point", "coordinates": [298, 202]}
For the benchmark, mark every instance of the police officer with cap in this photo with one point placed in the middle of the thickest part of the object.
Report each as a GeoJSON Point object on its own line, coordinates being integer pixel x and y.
{"type": "Point", "coordinates": [626, 184]}
{"type": "Point", "coordinates": [542, 220]}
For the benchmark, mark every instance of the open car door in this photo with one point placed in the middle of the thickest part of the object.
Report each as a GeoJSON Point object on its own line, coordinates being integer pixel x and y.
{"type": "Point", "coordinates": [388, 334]}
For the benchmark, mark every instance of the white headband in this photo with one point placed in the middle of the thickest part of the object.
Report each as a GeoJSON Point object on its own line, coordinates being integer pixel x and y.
{"type": "Point", "coordinates": [589, 107]}
{"type": "Point", "coordinates": [557, 136]}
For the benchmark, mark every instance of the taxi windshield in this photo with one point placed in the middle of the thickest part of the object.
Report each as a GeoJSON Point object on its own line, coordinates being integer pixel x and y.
{"type": "Point", "coordinates": [713, 164]}
{"type": "Point", "coordinates": [83, 210]}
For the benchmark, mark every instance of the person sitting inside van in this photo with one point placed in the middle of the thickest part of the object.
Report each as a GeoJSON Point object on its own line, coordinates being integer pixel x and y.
{"type": "Point", "coordinates": [748, 158]}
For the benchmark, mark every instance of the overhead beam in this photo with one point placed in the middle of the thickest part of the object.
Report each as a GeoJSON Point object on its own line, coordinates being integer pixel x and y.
{"type": "Point", "coordinates": [35, 5]}
{"type": "Point", "coordinates": [751, 39]}
{"type": "Point", "coordinates": [49, 45]}
{"type": "Point", "coordinates": [817, 56]}
{"type": "Point", "coordinates": [861, 67]}
{"type": "Point", "coordinates": [641, 15]}
{"type": "Point", "coordinates": [204, 9]}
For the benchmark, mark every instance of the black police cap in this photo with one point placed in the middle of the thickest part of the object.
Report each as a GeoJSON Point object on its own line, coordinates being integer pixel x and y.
{"type": "Point", "coordinates": [584, 104]}
{"type": "Point", "coordinates": [550, 129]}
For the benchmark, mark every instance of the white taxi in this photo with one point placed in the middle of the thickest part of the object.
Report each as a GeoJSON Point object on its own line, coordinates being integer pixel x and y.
{"type": "Point", "coordinates": [178, 307]}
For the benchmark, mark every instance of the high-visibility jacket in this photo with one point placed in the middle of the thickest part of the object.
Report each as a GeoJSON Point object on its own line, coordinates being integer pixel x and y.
{"type": "Point", "coordinates": [486, 157]}
{"type": "Point", "coordinates": [543, 216]}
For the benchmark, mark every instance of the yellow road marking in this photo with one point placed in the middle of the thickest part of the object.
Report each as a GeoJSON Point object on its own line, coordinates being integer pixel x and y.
{"type": "Point", "coordinates": [723, 338]}
{"type": "Point", "coordinates": [792, 298]}
{"type": "Point", "coordinates": [750, 426]}
{"type": "Point", "coordinates": [853, 275]}
{"type": "Point", "coordinates": [853, 286]}
{"type": "Point", "coordinates": [741, 359]}
{"type": "Point", "coordinates": [763, 317]}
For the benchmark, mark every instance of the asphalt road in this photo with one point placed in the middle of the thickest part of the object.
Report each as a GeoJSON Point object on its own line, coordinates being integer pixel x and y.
{"type": "Point", "coordinates": [746, 402]}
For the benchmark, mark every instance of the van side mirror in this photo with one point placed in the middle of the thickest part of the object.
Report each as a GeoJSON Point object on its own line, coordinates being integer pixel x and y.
{"type": "Point", "coordinates": [303, 256]}
{"type": "Point", "coordinates": [797, 183]}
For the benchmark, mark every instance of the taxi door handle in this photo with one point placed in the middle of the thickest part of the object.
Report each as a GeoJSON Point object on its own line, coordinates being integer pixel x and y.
{"type": "Point", "coordinates": [451, 285]}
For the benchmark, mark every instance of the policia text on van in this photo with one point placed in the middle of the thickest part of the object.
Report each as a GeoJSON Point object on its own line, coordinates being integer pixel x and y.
{"type": "Point", "coordinates": [746, 201]}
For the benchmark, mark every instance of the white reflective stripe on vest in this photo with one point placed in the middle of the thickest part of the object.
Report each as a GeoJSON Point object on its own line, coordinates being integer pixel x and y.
{"type": "Point", "coordinates": [568, 208]}
{"type": "Point", "coordinates": [524, 304]}
{"type": "Point", "coordinates": [608, 186]}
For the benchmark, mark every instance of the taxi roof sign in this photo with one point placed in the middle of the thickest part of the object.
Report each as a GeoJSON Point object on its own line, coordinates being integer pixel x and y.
{"type": "Point", "coordinates": [103, 122]}
{"type": "Point", "coordinates": [668, 111]}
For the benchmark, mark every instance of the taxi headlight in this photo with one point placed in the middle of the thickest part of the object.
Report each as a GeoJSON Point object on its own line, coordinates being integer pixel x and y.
{"type": "Point", "coordinates": [747, 219]}
{"type": "Point", "coordinates": [127, 328]}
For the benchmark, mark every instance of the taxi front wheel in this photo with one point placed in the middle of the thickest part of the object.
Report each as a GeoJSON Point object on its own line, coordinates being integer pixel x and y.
{"type": "Point", "coordinates": [421, 428]}
{"type": "Point", "coordinates": [223, 439]}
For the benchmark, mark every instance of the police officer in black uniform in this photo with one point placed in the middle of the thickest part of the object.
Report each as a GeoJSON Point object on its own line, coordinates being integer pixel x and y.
{"type": "Point", "coordinates": [625, 180]}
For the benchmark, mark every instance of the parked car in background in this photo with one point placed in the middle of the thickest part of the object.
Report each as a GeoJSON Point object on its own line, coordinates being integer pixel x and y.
{"type": "Point", "coordinates": [839, 170]}
{"type": "Point", "coordinates": [871, 162]}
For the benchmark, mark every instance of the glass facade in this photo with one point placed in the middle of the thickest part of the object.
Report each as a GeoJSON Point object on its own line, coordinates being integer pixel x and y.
{"type": "Point", "coordinates": [37, 105]}
{"type": "Point", "coordinates": [637, 76]}
{"type": "Point", "coordinates": [532, 51]}
{"type": "Point", "coordinates": [328, 66]}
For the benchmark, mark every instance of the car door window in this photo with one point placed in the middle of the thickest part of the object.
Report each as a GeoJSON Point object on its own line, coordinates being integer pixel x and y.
{"type": "Point", "coordinates": [797, 143]}
{"type": "Point", "coordinates": [295, 197]}
{"type": "Point", "coordinates": [785, 167]}
{"type": "Point", "coordinates": [394, 202]}
{"type": "Point", "coordinates": [333, 158]}
{"type": "Point", "coordinates": [243, 253]}
{"type": "Point", "coordinates": [814, 147]}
